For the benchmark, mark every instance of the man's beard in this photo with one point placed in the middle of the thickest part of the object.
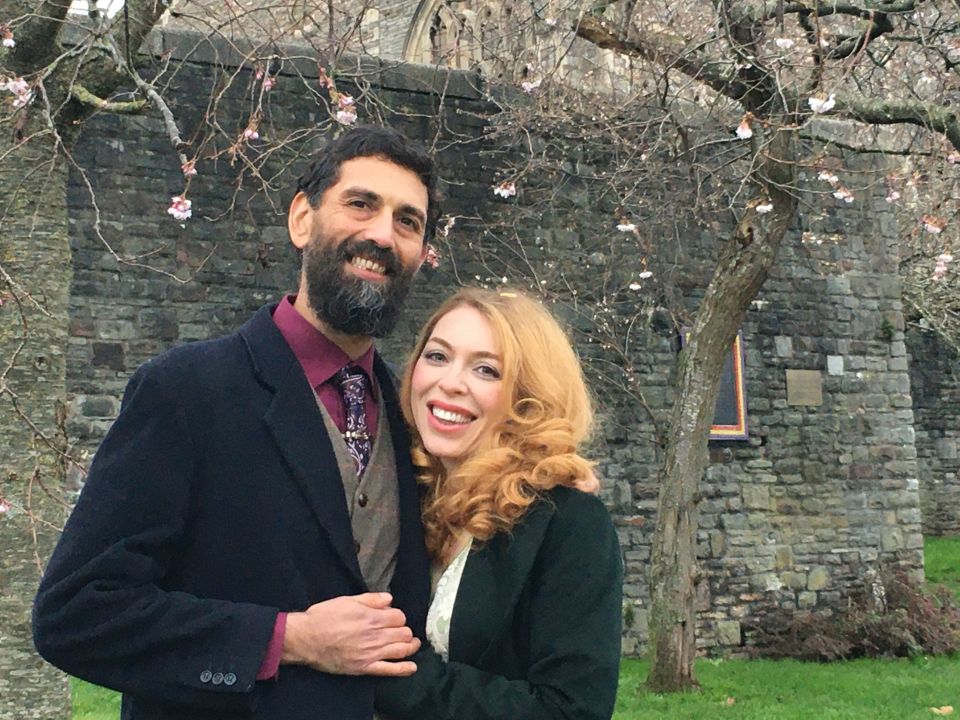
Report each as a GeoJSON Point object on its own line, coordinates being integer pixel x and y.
{"type": "Point", "coordinates": [349, 304]}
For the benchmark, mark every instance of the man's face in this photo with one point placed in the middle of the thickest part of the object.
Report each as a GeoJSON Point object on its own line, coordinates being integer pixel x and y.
{"type": "Point", "coordinates": [365, 244]}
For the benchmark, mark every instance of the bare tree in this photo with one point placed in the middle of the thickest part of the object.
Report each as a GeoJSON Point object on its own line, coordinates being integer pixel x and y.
{"type": "Point", "coordinates": [754, 104]}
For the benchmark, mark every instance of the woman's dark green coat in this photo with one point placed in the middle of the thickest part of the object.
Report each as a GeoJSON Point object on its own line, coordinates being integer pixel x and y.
{"type": "Point", "coordinates": [535, 633]}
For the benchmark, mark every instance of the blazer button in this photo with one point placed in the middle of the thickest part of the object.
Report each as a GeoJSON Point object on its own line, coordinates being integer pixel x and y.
{"type": "Point", "coordinates": [217, 678]}
{"type": "Point", "coordinates": [229, 679]}
{"type": "Point", "coordinates": [362, 499]}
{"type": "Point", "coordinates": [205, 676]}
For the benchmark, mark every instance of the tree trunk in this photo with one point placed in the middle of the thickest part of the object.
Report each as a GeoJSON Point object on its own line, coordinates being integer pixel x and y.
{"type": "Point", "coordinates": [741, 271]}
{"type": "Point", "coordinates": [35, 277]}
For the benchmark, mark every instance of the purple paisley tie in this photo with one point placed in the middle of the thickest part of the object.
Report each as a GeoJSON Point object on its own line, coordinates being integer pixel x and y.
{"type": "Point", "coordinates": [353, 387]}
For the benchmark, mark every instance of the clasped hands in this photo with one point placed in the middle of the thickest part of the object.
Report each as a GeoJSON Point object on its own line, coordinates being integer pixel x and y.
{"type": "Point", "coordinates": [351, 635]}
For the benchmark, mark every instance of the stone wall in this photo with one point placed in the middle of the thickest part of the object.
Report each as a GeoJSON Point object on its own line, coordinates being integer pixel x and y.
{"type": "Point", "coordinates": [935, 377]}
{"type": "Point", "coordinates": [790, 518]}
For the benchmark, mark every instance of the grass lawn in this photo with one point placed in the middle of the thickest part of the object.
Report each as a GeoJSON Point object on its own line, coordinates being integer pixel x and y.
{"type": "Point", "coordinates": [759, 689]}
{"type": "Point", "coordinates": [942, 556]}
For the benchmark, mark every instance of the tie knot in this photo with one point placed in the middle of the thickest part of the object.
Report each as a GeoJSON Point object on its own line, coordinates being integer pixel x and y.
{"type": "Point", "coordinates": [353, 384]}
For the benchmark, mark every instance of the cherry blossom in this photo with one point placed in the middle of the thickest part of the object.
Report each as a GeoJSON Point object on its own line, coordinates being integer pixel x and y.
{"type": "Point", "coordinates": [819, 105]}
{"type": "Point", "coordinates": [953, 158]}
{"type": "Point", "coordinates": [448, 226]}
{"type": "Point", "coordinates": [346, 110]}
{"type": "Point", "coordinates": [933, 224]}
{"type": "Point", "coordinates": [505, 189]}
{"type": "Point", "coordinates": [744, 132]}
{"type": "Point", "coordinates": [940, 270]}
{"type": "Point", "coordinates": [21, 89]}
{"type": "Point", "coordinates": [251, 133]}
{"type": "Point", "coordinates": [764, 207]}
{"type": "Point", "coordinates": [7, 35]}
{"type": "Point", "coordinates": [189, 168]}
{"type": "Point", "coordinates": [5, 506]}
{"type": "Point", "coordinates": [841, 193]}
{"type": "Point", "coordinates": [432, 257]}
{"type": "Point", "coordinates": [627, 227]}
{"type": "Point", "coordinates": [645, 274]}
{"type": "Point", "coordinates": [892, 197]}
{"type": "Point", "coordinates": [17, 86]}
{"type": "Point", "coordinates": [268, 83]}
{"type": "Point", "coordinates": [828, 177]}
{"type": "Point", "coordinates": [180, 208]}
{"type": "Point", "coordinates": [634, 286]}
{"type": "Point", "coordinates": [552, 22]}
{"type": "Point", "coordinates": [530, 86]}
{"type": "Point", "coordinates": [784, 43]}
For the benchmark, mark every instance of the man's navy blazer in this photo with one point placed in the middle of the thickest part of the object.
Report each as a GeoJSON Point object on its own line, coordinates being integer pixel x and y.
{"type": "Point", "coordinates": [214, 502]}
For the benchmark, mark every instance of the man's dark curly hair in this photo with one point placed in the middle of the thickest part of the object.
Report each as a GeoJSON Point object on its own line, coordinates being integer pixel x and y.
{"type": "Point", "coordinates": [372, 141]}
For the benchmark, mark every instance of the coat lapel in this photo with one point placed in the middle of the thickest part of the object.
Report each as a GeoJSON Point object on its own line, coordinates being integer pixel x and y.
{"type": "Point", "coordinates": [411, 578]}
{"type": "Point", "coordinates": [297, 427]}
{"type": "Point", "coordinates": [492, 581]}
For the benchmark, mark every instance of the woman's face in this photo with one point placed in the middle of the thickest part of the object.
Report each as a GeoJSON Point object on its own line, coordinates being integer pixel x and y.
{"type": "Point", "coordinates": [456, 389]}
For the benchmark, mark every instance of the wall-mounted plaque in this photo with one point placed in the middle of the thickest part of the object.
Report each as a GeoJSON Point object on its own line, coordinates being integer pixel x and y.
{"type": "Point", "coordinates": [730, 415]}
{"type": "Point", "coordinates": [804, 387]}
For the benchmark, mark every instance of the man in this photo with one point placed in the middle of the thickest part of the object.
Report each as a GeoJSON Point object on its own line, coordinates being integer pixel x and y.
{"type": "Point", "coordinates": [230, 553]}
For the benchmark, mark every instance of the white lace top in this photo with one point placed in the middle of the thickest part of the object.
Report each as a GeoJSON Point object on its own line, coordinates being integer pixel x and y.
{"type": "Point", "coordinates": [441, 607]}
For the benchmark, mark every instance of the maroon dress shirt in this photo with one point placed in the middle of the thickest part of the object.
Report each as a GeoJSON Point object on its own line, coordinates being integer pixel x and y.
{"type": "Point", "coordinates": [321, 359]}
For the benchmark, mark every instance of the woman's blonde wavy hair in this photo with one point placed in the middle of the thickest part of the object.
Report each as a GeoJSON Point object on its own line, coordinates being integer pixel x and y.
{"type": "Point", "coordinates": [532, 449]}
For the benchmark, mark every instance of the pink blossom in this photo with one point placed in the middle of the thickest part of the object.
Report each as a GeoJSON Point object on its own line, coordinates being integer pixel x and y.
{"type": "Point", "coordinates": [180, 207]}
{"type": "Point", "coordinates": [828, 176]}
{"type": "Point", "coordinates": [268, 83]}
{"type": "Point", "coordinates": [552, 22]}
{"type": "Point", "coordinates": [346, 110]}
{"type": "Point", "coordinates": [645, 275]}
{"type": "Point", "coordinates": [259, 74]}
{"type": "Point", "coordinates": [634, 286]}
{"type": "Point", "coordinates": [819, 105]}
{"type": "Point", "coordinates": [505, 189]}
{"type": "Point", "coordinates": [189, 168]}
{"type": "Point", "coordinates": [933, 224]}
{"type": "Point", "coordinates": [892, 197]}
{"type": "Point", "coordinates": [17, 86]}
{"type": "Point", "coordinates": [627, 227]}
{"type": "Point", "coordinates": [784, 43]}
{"type": "Point", "coordinates": [346, 117]}
{"type": "Point", "coordinates": [953, 158]}
{"type": "Point", "coordinates": [530, 86]}
{"type": "Point", "coordinates": [23, 100]}
{"type": "Point", "coordinates": [945, 258]}
{"type": "Point", "coordinates": [9, 42]}
{"type": "Point", "coordinates": [764, 207]}
{"type": "Point", "coordinates": [433, 257]}
{"type": "Point", "coordinates": [841, 193]}
{"type": "Point", "coordinates": [744, 132]}
{"type": "Point", "coordinates": [448, 226]}
{"type": "Point", "coordinates": [7, 35]}
{"type": "Point", "coordinates": [250, 133]}
{"type": "Point", "coordinates": [5, 506]}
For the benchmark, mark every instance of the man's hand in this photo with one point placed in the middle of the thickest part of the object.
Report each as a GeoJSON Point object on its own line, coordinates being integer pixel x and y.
{"type": "Point", "coordinates": [351, 635]}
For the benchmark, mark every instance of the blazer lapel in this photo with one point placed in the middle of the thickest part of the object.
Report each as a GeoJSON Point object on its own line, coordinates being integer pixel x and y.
{"type": "Point", "coordinates": [297, 427]}
{"type": "Point", "coordinates": [411, 578]}
{"type": "Point", "coordinates": [492, 581]}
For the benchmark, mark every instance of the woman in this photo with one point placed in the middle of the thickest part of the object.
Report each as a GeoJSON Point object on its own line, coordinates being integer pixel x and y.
{"type": "Point", "coordinates": [525, 620]}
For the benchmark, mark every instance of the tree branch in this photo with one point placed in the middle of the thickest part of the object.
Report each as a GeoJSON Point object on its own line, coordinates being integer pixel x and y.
{"type": "Point", "coordinates": [668, 51]}
{"type": "Point", "coordinates": [864, 11]}
{"type": "Point", "coordinates": [897, 112]}
{"type": "Point", "coordinates": [37, 34]}
{"type": "Point", "coordinates": [79, 92]}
